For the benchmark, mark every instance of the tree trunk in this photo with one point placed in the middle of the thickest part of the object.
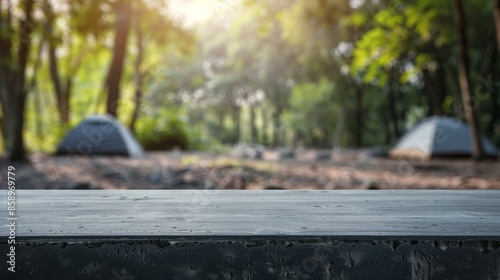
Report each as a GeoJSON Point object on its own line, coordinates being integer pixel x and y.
{"type": "Point", "coordinates": [339, 128]}
{"type": "Point", "coordinates": [486, 79]}
{"type": "Point", "coordinates": [65, 109]}
{"type": "Point", "coordinates": [385, 123]}
{"type": "Point", "coordinates": [276, 128]}
{"type": "Point", "coordinates": [220, 131]}
{"type": "Point", "coordinates": [61, 90]}
{"type": "Point", "coordinates": [236, 124]}
{"type": "Point", "coordinates": [454, 88]}
{"type": "Point", "coordinates": [122, 26]}
{"type": "Point", "coordinates": [265, 139]}
{"type": "Point", "coordinates": [432, 93]}
{"type": "Point", "coordinates": [358, 141]}
{"type": "Point", "coordinates": [392, 108]}
{"type": "Point", "coordinates": [4, 63]}
{"type": "Point", "coordinates": [139, 75]}
{"type": "Point", "coordinates": [13, 78]}
{"type": "Point", "coordinates": [253, 128]}
{"type": "Point", "coordinates": [496, 12]}
{"type": "Point", "coordinates": [495, 116]}
{"type": "Point", "coordinates": [441, 84]}
{"type": "Point", "coordinates": [54, 75]}
{"type": "Point", "coordinates": [33, 88]}
{"type": "Point", "coordinates": [428, 93]}
{"type": "Point", "coordinates": [463, 70]}
{"type": "Point", "coordinates": [18, 151]}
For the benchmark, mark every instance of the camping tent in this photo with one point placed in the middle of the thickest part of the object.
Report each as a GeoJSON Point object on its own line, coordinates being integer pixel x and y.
{"type": "Point", "coordinates": [100, 135]}
{"type": "Point", "coordinates": [439, 137]}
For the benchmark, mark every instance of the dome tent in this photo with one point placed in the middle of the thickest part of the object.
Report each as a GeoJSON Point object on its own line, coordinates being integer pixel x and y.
{"type": "Point", "coordinates": [439, 137]}
{"type": "Point", "coordinates": [100, 135]}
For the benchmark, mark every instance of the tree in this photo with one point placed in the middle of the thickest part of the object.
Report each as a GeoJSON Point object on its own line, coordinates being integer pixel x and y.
{"type": "Point", "coordinates": [318, 32]}
{"type": "Point", "coordinates": [263, 62]}
{"type": "Point", "coordinates": [496, 11]}
{"type": "Point", "coordinates": [114, 76]}
{"type": "Point", "coordinates": [14, 57]}
{"type": "Point", "coordinates": [62, 89]}
{"type": "Point", "coordinates": [464, 80]}
{"type": "Point", "coordinates": [152, 29]}
{"type": "Point", "coordinates": [313, 113]}
{"type": "Point", "coordinates": [407, 38]}
{"type": "Point", "coordinates": [63, 68]}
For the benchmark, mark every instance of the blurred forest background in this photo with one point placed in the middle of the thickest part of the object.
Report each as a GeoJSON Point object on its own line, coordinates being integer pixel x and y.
{"type": "Point", "coordinates": [317, 73]}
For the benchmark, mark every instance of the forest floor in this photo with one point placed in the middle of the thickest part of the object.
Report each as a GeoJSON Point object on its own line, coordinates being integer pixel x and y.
{"type": "Point", "coordinates": [347, 169]}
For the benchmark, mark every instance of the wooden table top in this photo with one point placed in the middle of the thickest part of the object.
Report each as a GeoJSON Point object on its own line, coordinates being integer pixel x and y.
{"type": "Point", "coordinates": [380, 214]}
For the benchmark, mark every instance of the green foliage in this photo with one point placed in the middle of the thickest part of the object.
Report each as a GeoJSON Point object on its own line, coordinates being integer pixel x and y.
{"type": "Point", "coordinates": [308, 60]}
{"type": "Point", "coordinates": [397, 32]}
{"type": "Point", "coordinates": [97, 10]}
{"type": "Point", "coordinates": [163, 131]}
{"type": "Point", "coordinates": [313, 111]}
{"type": "Point", "coordinates": [168, 129]}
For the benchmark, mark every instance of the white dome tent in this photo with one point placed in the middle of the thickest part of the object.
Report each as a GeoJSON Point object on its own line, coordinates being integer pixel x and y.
{"type": "Point", "coordinates": [439, 137]}
{"type": "Point", "coordinates": [100, 135]}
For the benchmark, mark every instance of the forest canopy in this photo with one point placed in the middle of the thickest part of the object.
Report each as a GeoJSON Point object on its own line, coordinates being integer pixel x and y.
{"type": "Point", "coordinates": [202, 75]}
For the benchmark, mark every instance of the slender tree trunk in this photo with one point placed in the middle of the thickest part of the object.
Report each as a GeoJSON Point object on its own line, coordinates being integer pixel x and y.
{"type": "Point", "coordinates": [441, 84]}
{"type": "Point", "coordinates": [54, 75]}
{"type": "Point", "coordinates": [238, 124]}
{"type": "Point", "coordinates": [339, 128]}
{"type": "Point", "coordinates": [62, 89]}
{"type": "Point", "coordinates": [432, 93]}
{"type": "Point", "coordinates": [253, 128]}
{"type": "Point", "coordinates": [496, 12]}
{"type": "Point", "coordinates": [34, 88]}
{"type": "Point", "coordinates": [386, 124]}
{"type": "Point", "coordinates": [454, 88]}
{"type": "Point", "coordinates": [65, 108]}
{"type": "Point", "coordinates": [358, 141]}
{"type": "Point", "coordinates": [6, 99]}
{"type": "Point", "coordinates": [326, 140]}
{"type": "Point", "coordinates": [487, 73]}
{"type": "Point", "coordinates": [265, 127]}
{"type": "Point", "coordinates": [139, 75]}
{"type": "Point", "coordinates": [392, 108]}
{"type": "Point", "coordinates": [276, 128]}
{"type": "Point", "coordinates": [220, 130]}
{"type": "Point", "coordinates": [295, 141]}
{"type": "Point", "coordinates": [464, 80]}
{"type": "Point", "coordinates": [495, 116]}
{"type": "Point", "coordinates": [428, 95]}
{"type": "Point", "coordinates": [3, 132]}
{"type": "Point", "coordinates": [17, 150]}
{"type": "Point", "coordinates": [123, 11]}
{"type": "Point", "coordinates": [358, 110]}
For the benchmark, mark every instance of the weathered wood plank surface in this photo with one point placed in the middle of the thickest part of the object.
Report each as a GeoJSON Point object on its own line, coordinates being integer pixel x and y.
{"type": "Point", "coordinates": [153, 235]}
{"type": "Point", "coordinates": [413, 214]}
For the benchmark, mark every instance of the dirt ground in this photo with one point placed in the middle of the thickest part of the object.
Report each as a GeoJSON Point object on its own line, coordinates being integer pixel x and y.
{"type": "Point", "coordinates": [346, 169]}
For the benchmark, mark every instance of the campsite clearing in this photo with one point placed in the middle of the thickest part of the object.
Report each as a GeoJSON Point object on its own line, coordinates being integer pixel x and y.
{"type": "Point", "coordinates": [348, 169]}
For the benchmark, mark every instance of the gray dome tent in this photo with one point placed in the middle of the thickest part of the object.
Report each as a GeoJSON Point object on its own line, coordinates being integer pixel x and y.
{"type": "Point", "coordinates": [100, 135]}
{"type": "Point", "coordinates": [439, 137]}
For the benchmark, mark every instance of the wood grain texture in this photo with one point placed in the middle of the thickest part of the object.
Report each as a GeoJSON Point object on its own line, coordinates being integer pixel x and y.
{"type": "Point", "coordinates": [431, 214]}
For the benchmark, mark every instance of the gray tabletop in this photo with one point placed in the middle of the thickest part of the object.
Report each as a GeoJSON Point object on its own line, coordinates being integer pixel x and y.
{"type": "Point", "coordinates": [221, 213]}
